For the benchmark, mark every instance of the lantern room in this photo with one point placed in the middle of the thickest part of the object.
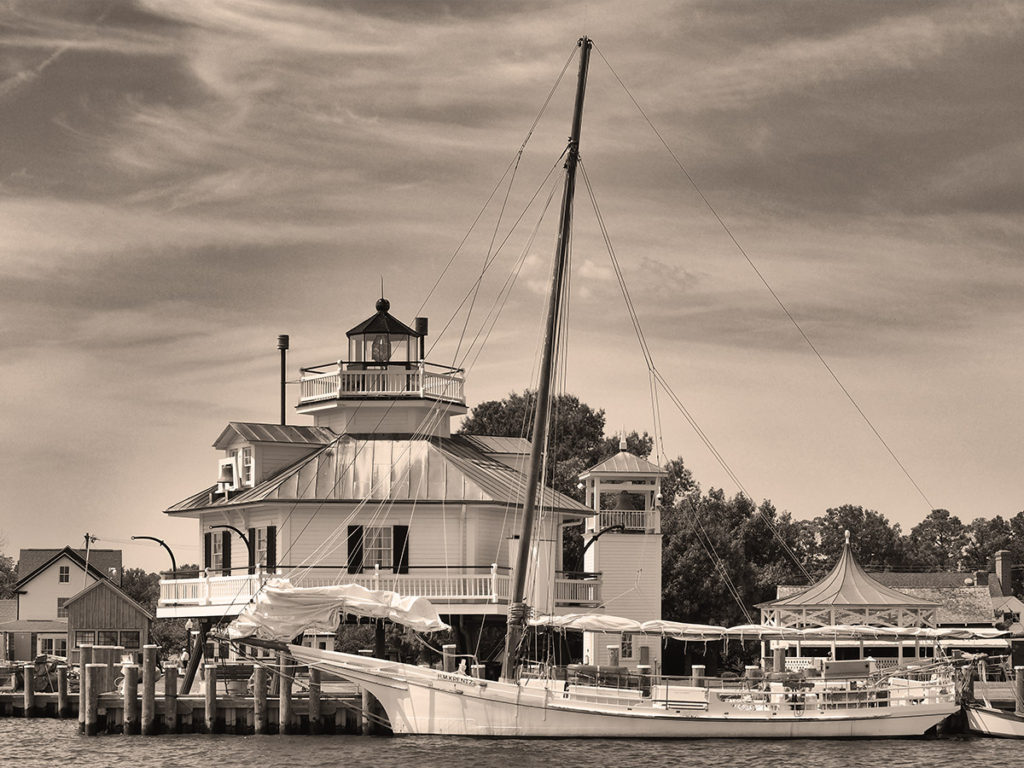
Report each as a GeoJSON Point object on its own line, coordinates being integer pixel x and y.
{"type": "Point", "coordinates": [382, 340]}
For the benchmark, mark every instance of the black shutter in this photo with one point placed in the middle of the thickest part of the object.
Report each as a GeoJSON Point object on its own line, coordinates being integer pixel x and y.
{"type": "Point", "coordinates": [225, 548]}
{"type": "Point", "coordinates": [252, 550]}
{"type": "Point", "coordinates": [271, 548]}
{"type": "Point", "coordinates": [400, 553]}
{"type": "Point", "coordinates": [207, 550]}
{"type": "Point", "coordinates": [355, 549]}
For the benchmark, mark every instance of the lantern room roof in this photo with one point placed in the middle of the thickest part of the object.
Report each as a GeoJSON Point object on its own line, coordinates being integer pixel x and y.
{"type": "Point", "coordinates": [383, 322]}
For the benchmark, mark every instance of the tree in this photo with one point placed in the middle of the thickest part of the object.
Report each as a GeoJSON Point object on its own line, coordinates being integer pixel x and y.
{"type": "Point", "coordinates": [576, 437]}
{"type": "Point", "coordinates": [142, 587]}
{"type": "Point", "coordinates": [873, 539]}
{"type": "Point", "coordinates": [938, 541]}
{"type": "Point", "coordinates": [8, 577]}
{"type": "Point", "coordinates": [985, 537]}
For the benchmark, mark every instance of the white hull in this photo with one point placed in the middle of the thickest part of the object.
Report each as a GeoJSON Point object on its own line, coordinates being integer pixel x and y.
{"type": "Point", "coordinates": [988, 721]}
{"type": "Point", "coordinates": [419, 700]}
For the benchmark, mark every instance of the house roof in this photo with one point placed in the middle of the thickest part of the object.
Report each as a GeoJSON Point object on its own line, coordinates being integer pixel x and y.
{"type": "Point", "coordinates": [33, 561]}
{"type": "Point", "coordinates": [273, 433]}
{"type": "Point", "coordinates": [35, 625]}
{"type": "Point", "coordinates": [392, 468]}
{"type": "Point", "coordinates": [106, 585]}
{"type": "Point", "coordinates": [848, 584]}
{"type": "Point", "coordinates": [625, 463]}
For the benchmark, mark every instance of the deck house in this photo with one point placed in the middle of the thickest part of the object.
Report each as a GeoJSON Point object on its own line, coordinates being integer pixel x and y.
{"type": "Point", "coordinates": [376, 490]}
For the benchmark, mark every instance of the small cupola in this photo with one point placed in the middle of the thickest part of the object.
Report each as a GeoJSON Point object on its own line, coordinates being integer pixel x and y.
{"type": "Point", "coordinates": [383, 340]}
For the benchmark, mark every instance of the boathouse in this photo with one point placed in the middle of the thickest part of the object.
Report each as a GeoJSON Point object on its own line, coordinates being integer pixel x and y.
{"type": "Point", "coordinates": [102, 614]}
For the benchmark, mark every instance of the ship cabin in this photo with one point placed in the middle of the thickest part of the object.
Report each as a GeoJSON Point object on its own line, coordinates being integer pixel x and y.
{"type": "Point", "coordinates": [375, 490]}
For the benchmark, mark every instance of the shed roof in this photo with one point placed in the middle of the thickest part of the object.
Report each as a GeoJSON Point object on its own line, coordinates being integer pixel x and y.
{"type": "Point", "coordinates": [35, 625]}
{"type": "Point", "coordinates": [395, 468]}
{"type": "Point", "coordinates": [848, 584]}
{"type": "Point", "coordinates": [273, 433]}
{"type": "Point", "coordinates": [107, 586]}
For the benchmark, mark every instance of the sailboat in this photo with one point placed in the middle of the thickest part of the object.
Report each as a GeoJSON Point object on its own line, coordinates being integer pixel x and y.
{"type": "Point", "coordinates": [522, 703]}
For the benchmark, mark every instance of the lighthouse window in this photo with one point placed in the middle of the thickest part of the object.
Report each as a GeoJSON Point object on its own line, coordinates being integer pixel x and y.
{"type": "Point", "coordinates": [377, 547]}
{"type": "Point", "coordinates": [245, 464]}
{"type": "Point", "coordinates": [216, 552]}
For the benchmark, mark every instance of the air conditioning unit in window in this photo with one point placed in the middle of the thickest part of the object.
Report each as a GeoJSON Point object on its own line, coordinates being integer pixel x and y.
{"type": "Point", "coordinates": [227, 478]}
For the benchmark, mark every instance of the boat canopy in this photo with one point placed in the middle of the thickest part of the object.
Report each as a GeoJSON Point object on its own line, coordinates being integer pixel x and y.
{"type": "Point", "coordinates": [702, 632]}
{"type": "Point", "coordinates": [280, 611]}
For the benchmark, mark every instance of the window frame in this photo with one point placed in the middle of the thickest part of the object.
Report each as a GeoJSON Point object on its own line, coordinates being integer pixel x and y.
{"type": "Point", "coordinates": [378, 540]}
{"type": "Point", "coordinates": [626, 646]}
{"type": "Point", "coordinates": [64, 574]}
{"type": "Point", "coordinates": [62, 611]}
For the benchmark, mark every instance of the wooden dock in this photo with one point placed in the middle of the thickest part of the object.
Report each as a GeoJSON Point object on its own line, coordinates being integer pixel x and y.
{"type": "Point", "coordinates": [136, 704]}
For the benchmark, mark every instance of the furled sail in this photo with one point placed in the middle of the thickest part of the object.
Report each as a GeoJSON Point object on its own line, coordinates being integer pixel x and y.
{"type": "Point", "coordinates": [281, 611]}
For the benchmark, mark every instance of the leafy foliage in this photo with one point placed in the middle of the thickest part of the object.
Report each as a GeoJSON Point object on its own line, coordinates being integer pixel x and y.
{"type": "Point", "coordinates": [8, 577]}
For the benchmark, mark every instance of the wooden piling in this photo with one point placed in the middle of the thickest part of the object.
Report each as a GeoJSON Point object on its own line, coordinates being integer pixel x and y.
{"type": "Point", "coordinates": [171, 700]}
{"type": "Point", "coordinates": [131, 699]}
{"type": "Point", "coordinates": [1018, 689]}
{"type": "Point", "coordinates": [148, 722]}
{"type": "Point", "coordinates": [84, 660]}
{"type": "Point", "coordinates": [259, 696]}
{"type": "Point", "coordinates": [93, 682]}
{"type": "Point", "coordinates": [210, 671]}
{"type": "Point", "coordinates": [63, 704]}
{"type": "Point", "coordinates": [29, 673]}
{"type": "Point", "coordinates": [448, 657]}
{"type": "Point", "coordinates": [284, 711]}
{"type": "Point", "coordinates": [314, 701]}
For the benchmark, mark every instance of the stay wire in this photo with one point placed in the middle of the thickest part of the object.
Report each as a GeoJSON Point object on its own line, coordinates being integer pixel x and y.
{"type": "Point", "coordinates": [764, 281]}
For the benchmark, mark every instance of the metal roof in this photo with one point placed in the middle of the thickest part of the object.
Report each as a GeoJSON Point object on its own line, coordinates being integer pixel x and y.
{"type": "Point", "coordinates": [383, 322]}
{"type": "Point", "coordinates": [392, 468]}
{"type": "Point", "coordinates": [625, 463]}
{"type": "Point", "coordinates": [496, 444]}
{"type": "Point", "coordinates": [273, 433]}
{"type": "Point", "coordinates": [848, 584]}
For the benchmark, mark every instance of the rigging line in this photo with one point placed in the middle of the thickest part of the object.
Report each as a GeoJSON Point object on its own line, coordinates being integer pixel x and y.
{"type": "Point", "coordinates": [657, 376]}
{"type": "Point", "coordinates": [498, 306]}
{"type": "Point", "coordinates": [487, 202]}
{"type": "Point", "coordinates": [716, 560]}
{"type": "Point", "coordinates": [764, 280]}
{"type": "Point", "coordinates": [515, 224]}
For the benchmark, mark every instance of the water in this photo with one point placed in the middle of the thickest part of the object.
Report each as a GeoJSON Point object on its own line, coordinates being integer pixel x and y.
{"type": "Point", "coordinates": [31, 743]}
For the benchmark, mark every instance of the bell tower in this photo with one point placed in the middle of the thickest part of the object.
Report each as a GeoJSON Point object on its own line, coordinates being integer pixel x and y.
{"type": "Point", "coordinates": [385, 386]}
{"type": "Point", "coordinates": [622, 542]}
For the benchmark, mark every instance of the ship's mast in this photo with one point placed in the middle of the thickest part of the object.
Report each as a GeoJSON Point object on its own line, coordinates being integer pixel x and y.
{"type": "Point", "coordinates": [517, 607]}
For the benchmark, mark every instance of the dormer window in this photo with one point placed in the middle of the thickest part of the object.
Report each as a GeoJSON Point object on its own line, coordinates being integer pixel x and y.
{"type": "Point", "coordinates": [245, 465]}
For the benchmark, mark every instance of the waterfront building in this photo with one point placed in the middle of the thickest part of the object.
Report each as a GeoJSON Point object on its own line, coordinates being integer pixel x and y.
{"type": "Point", "coordinates": [377, 491]}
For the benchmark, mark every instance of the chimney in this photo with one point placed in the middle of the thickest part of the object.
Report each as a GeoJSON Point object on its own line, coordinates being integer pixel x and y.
{"type": "Point", "coordinates": [981, 578]}
{"type": "Point", "coordinates": [1003, 572]}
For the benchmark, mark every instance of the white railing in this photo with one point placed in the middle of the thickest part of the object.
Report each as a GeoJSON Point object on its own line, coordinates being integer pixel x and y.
{"type": "Point", "coordinates": [488, 587]}
{"type": "Point", "coordinates": [393, 382]}
{"type": "Point", "coordinates": [630, 519]}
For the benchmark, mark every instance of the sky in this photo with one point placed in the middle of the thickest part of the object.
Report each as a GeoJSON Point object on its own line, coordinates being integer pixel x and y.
{"type": "Point", "coordinates": [183, 180]}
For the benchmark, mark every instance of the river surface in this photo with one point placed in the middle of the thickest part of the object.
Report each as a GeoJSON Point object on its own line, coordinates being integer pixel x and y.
{"type": "Point", "coordinates": [43, 742]}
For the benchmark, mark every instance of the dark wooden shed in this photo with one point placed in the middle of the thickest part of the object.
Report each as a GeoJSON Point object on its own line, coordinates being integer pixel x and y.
{"type": "Point", "coordinates": [101, 614]}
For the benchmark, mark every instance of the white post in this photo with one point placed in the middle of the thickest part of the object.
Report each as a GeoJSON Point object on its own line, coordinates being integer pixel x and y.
{"type": "Point", "coordinates": [494, 582]}
{"type": "Point", "coordinates": [376, 575]}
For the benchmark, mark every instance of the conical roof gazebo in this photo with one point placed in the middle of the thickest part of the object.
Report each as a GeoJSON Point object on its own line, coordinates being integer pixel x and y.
{"type": "Point", "coordinates": [848, 595]}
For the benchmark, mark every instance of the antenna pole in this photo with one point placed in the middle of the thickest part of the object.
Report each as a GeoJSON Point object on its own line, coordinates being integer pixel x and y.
{"type": "Point", "coordinates": [517, 607]}
{"type": "Point", "coordinates": [282, 344]}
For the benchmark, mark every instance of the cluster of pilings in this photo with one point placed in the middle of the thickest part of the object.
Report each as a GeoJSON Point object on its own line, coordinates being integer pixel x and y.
{"type": "Point", "coordinates": [136, 708]}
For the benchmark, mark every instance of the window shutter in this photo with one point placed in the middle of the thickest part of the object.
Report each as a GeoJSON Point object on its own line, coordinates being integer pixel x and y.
{"type": "Point", "coordinates": [207, 550]}
{"type": "Point", "coordinates": [252, 550]}
{"type": "Point", "coordinates": [226, 549]}
{"type": "Point", "coordinates": [271, 547]}
{"type": "Point", "coordinates": [355, 549]}
{"type": "Point", "coordinates": [400, 542]}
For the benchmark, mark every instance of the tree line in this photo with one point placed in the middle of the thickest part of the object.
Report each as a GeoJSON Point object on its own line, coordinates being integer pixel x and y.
{"type": "Point", "coordinates": [721, 554]}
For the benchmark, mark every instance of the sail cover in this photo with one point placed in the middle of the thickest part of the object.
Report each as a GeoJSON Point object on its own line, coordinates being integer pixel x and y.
{"type": "Point", "coordinates": [280, 611]}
